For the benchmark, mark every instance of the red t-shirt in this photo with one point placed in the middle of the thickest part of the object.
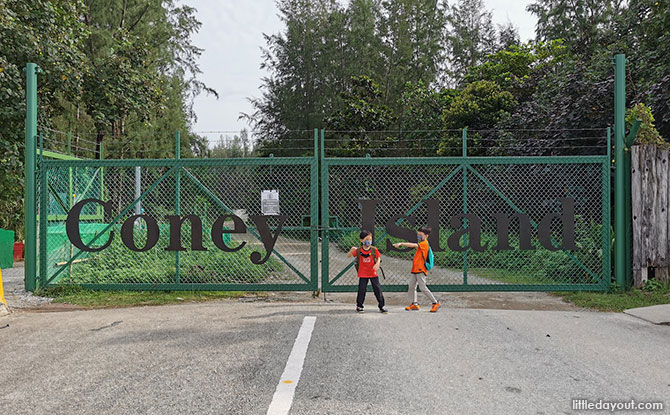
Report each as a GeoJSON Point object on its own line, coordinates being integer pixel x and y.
{"type": "Point", "coordinates": [367, 262]}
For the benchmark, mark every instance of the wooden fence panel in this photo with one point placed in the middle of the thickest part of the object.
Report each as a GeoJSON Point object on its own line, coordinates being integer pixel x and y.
{"type": "Point", "coordinates": [650, 190]}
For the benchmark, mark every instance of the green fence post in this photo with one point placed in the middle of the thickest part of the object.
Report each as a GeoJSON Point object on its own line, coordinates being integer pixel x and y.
{"type": "Point", "coordinates": [465, 201]}
{"type": "Point", "coordinates": [628, 217]}
{"type": "Point", "coordinates": [177, 198]}
{"type": "Point", "coordinates": [620, 171]}
{"type": "Point", "coordinates": [70, 197]}
{"type": "Point", "coordinates": [101, 212]}
{"type": "Point", "coordinates": [606, 208]}
{"type": "Point", "coordinates": [314, 215]}
{"type": "Point", "coordinates": [44, 216]}
{"type": "Point", "coordinates": [30, 215]}
{"type": "Point", "coordinates": [325, 220]}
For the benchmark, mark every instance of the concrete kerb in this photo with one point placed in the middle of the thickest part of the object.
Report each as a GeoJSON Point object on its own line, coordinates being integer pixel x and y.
{"type": "Point", "coordinates": [656, 314]}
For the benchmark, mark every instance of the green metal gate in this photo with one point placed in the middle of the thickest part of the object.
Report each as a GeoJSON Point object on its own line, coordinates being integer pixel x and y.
{"type": "Point", "coordinates": [212, 190]}
{"type": "Point", "coordinates": [484, 187]}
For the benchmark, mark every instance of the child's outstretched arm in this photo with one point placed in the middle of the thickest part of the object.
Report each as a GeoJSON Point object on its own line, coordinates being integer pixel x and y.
{"type": "Point", "coordinates": [351, 252]}
{"type": "Point", "coordinates": [406, 245]}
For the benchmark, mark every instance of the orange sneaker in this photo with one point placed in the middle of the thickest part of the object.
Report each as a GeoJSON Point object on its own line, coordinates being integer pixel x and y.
{"type": "Point", "coordinates": [436, 307]}
{"type": "Point", "coordinates": [412, 306]}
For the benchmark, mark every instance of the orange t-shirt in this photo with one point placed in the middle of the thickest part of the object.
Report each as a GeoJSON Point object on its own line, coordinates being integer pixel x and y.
{"type": "Point", "coordinates": [419, 262]}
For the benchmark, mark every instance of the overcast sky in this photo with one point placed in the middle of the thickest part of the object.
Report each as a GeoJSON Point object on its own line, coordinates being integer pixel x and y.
{"type": "Point", "coordinates": [231, 36]}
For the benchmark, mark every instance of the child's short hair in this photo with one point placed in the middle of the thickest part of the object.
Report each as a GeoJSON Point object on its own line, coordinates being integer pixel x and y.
{"type": "Point", "coordinates": [425, 230]}
{"type": "Point", "coordinates": [364, 234]}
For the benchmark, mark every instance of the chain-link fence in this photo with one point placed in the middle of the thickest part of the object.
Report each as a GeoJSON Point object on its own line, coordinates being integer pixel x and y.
{"type": "Point", "coordinates": [525, 219]}
{"type": "Point", "coordinates": [178, 224]}
{"type": "Point", "coordinates": [498, 222]}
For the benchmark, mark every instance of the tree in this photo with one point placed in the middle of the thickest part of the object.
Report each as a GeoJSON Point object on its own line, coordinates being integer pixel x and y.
{"type": "Point", "coordinates": [141, 62]}
{"type": "Point", "coordinates": [363, 119]}
{"type": "Point", "coordinates": [583, 24]}
{"type": "Point", "coordinates": [324, 44]}
{"type": "Point", "coordinates": [482, 105]}
{"type": "Point", "coordinates": [49, 34]}
{"type": "Point", "coordinates": [470, 38]}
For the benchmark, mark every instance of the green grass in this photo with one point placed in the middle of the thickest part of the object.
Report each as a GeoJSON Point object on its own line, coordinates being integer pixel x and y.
{"type": "Point", "coordinates": [509, 277]}
{"type": "Point", "coordinates": [653, 293]}
{"type": "Point", "coordinates": [83, 297]}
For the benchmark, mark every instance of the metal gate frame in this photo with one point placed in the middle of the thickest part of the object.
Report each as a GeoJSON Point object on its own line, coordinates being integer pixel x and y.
{"type": "Point", "coordinates": [177, 169]}
{"type": "Point", "coordinates": [465, 165]}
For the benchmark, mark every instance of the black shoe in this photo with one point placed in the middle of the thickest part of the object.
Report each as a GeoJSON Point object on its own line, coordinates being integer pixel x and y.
{"type": "Point", "coordinates": [383, 310]}
{"type": "Point", "coordinates": [359, 309]}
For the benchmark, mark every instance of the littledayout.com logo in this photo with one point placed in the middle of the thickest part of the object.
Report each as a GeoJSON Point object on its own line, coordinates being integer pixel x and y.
{"type": "Point", "coordinates": [464, 224]}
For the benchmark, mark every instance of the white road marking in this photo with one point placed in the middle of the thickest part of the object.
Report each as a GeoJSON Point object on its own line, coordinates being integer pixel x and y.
{"type": "Point", "coordinates": [283, 397]}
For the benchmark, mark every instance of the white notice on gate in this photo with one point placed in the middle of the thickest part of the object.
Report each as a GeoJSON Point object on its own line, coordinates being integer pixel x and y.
{"type": "Point", "coordinates": [270, 202]}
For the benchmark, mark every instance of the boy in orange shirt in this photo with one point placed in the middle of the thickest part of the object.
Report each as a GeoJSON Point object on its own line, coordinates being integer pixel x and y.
{"type": "Point", "coordinates": [368, 265]}
{"type": "Point", "coordinates": [419, 271]}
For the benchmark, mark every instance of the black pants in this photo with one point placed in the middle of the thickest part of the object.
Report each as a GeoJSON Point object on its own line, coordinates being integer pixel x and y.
{"type": "Point", "coordinates": [376, 287]}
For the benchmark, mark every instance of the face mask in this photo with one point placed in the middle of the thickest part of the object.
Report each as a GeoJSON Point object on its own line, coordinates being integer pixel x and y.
{"type": "Point", "coordinates": [419, 238]}
{"type": "Point", "coordinates": [366, 243]}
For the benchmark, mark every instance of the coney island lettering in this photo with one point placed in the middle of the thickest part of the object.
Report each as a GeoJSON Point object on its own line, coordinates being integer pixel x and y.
{"type": "Point", "coordinates": [463, 224]}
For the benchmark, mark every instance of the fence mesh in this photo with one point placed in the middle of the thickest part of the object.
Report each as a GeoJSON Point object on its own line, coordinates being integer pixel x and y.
{"type": "Point", "coordinates": [212, 191]}
{"type": "Point", "coordinates": [483, 190]}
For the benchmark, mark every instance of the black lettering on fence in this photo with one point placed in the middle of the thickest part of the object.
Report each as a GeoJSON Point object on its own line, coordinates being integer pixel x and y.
{"type": "Point", "coordinates": [175, 233]}
{"type": "Point", "coordinates": [218, 231]}
{"type": "Point", "coordinates": [267, 238]}
{"type": "Point", "coordinates": [397, 231]}
{"type": "Point", "coordinates": [72, 225]}
{"type": "Point", "coordinates": [128, 233]}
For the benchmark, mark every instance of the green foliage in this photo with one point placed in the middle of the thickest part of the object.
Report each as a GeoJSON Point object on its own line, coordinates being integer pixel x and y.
{"type": "Point", "coordinates": [48, 33]}
{"type": "Point", "coordinates": [119, 265]}
{"type": "Point", "coordinates": [618, 301]}
{"type": "Point", "coordinates": [79, 296]}
{"type": "Point", "coordinates": [540, 266]}
{"type": "Point", "coordinates": [647, 134]}
{"type": "Point", "coordinates": [123, 71]}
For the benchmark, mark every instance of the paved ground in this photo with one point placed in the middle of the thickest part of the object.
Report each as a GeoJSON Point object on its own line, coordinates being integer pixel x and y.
{"type": "Point", "coordinates": [227, 358]}
{"type": "Point", "coordinates": [15, 294]}
{"type": "Point", "coordinates": [657, 314]}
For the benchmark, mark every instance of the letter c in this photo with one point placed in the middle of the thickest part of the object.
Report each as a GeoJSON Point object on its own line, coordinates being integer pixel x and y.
{"type": "Point", "coordinates": [72, 225]}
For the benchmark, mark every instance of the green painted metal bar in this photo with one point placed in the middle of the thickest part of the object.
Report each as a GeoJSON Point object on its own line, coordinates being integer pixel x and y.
{"type": "Point", "coordinates": [465, 202]}
{"type": "Point", "coordinates": [314, 214]}
{"type": "Point", "coordinates": [59, 156]}
{"type": "Point", "coordinates": [630, 139]}
{"type": "Point", "coordinates": [229, 210]}
{"type": "Point", "coordinates": [325, 217]}
{"type": "Point", "coordinates": [113, 222]}
{"type": "Point", "coordinates": [607, 238]}
{"type": "Point", "coordinates": [70, 196]}
{"type": "Point", "coordinates": [102, 179]}
{"type": "Point", "coordinates": [483, 287]}
{"type": "Point", "coordinates": [628, 216]}
{"type": "Point", "coordinates": [409, 212]}
{"type": "Point", "coordinates": [44, 207]}
{"type": "Point", "coordinates": [58, 199]}
{"type": "Point", "coordinates": [194, 286]}
{"type": "Point", "coordinates": [532, 222]}
{"type": "Point", "coordinates": [83, 194]}
{"type": "Point", "coordinates": [619, 172]}
{"type": "Point", "coordinates": [177, 200]}
{"type": "Point", "coordinates": [30, 215]}
{"type": "Point", "coordinates": [190, 162]}
{"type": "Point", "coordinates": [386, 161]}
{"type": "Point", "coordinates": [64, 217]}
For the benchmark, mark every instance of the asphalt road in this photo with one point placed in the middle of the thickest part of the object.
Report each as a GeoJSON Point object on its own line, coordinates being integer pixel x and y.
{"type": "Point", "coordinates": [227, 358]}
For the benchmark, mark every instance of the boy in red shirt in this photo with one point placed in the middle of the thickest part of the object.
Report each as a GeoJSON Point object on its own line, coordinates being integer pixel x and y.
{"type": "Point", "coordinates": [368, 265]}
{"type": "Point", "coordinates": [419, 271]}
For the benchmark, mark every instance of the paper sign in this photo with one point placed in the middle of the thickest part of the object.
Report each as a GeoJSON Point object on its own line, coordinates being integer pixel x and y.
{"type": "Point", "coordinates": [270, 202]}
